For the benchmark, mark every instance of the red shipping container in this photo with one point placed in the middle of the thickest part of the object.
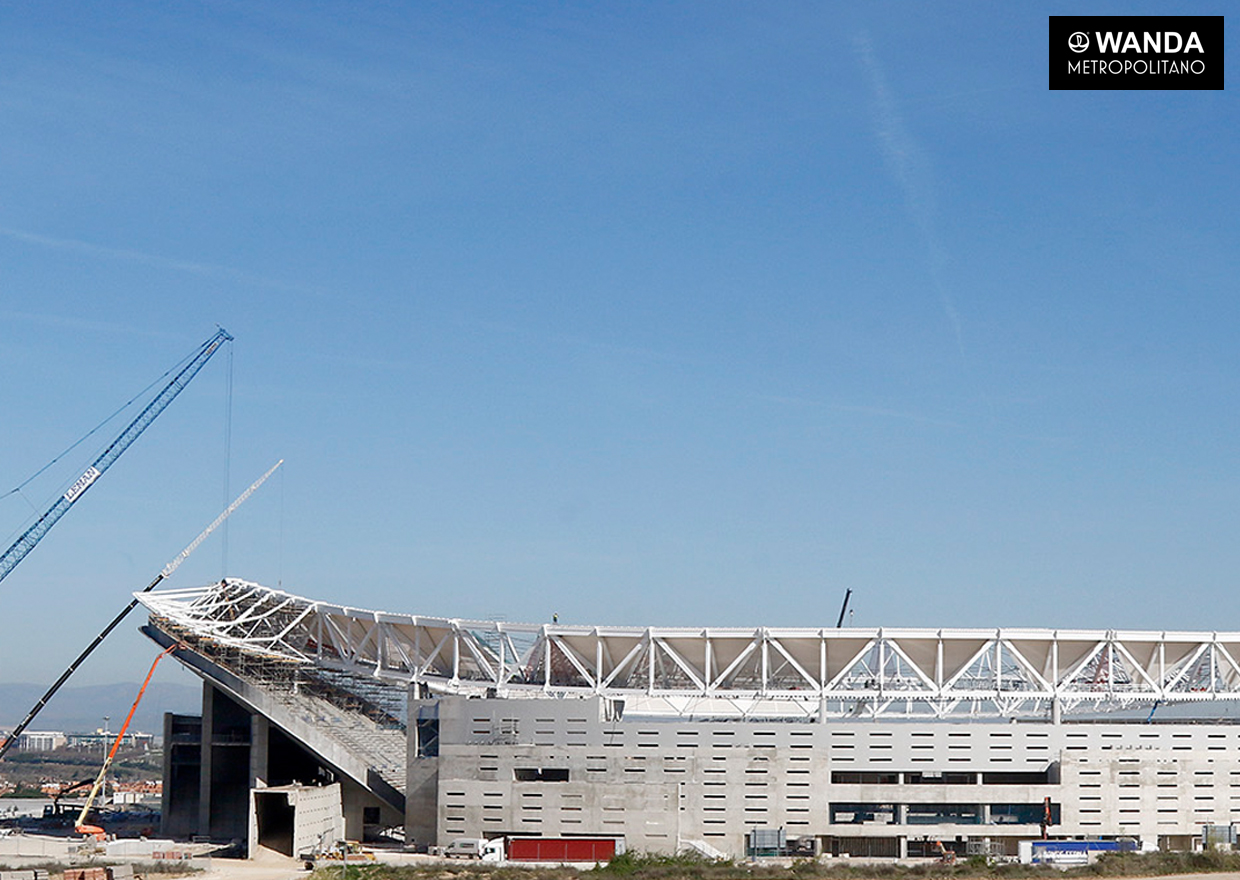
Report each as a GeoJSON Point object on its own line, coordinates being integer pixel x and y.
{"type": "Point", "coordinates": [561, 849]}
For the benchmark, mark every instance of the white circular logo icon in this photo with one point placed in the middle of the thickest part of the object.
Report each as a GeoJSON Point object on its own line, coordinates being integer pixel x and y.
{"type": "Point", "coordinates": [1079, 41]}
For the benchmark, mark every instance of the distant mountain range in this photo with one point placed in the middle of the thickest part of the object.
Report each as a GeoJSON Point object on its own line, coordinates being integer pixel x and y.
{"type": "Point", "coordinates": [81, 709]}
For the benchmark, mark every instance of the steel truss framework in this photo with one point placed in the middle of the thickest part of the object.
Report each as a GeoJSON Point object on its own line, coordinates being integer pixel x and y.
{"type": "Point", "coordinates": [711, 671]}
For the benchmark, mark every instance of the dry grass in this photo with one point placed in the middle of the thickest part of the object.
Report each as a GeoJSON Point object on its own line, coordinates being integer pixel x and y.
{"type": "Point", "coordinates": [648, 867]}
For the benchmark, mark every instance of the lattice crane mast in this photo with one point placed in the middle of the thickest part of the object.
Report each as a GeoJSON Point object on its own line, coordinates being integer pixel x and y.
{"type": "Point", "coordinates": [23, 545]}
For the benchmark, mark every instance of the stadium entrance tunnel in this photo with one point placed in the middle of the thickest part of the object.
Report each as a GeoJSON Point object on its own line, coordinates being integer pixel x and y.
{"type": "Point", "coordinates": [274, 816]}
{"type": "Point", "coordinates": [293, 819]}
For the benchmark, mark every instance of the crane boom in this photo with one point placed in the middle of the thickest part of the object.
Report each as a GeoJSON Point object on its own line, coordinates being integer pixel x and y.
{"type": "Point", "coordinates": [167, 570]}
{"type": "Point", "coordinates": [82, 827]}
{"type": "Point", "coordinates": [23, 545]}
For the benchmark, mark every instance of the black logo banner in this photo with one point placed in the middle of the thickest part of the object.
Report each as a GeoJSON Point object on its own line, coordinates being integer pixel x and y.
{"type": "Point", "coordinates": [1136, 51]}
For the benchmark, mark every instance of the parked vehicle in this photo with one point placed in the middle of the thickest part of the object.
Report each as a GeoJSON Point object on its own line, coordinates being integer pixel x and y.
{"type": "Point", "coordinates": [534, 849]}
{"type": "Point", "coordinates": [465, 848]}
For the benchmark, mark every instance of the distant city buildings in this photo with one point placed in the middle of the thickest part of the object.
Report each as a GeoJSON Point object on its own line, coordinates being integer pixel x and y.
{"type": "Point", "coordinates": [41, 741]}
{"type": "Point", "coordinates": [103, 738]}
{"type": "Point", "coordinates": [50, 740]}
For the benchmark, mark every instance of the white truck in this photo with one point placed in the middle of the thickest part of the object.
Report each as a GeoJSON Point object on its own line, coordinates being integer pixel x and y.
{"type": "Point", "coordinates": [464, 848]}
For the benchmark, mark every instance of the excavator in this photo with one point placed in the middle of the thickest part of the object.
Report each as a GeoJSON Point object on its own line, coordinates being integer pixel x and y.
{"type": "Point", "coordinates": [54, 810]}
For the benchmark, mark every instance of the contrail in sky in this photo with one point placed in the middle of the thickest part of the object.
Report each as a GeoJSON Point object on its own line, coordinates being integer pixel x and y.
{"type": "Point", "coordinates": [911, 168]}
{"type": "Point", "coordinates": [113, 253]}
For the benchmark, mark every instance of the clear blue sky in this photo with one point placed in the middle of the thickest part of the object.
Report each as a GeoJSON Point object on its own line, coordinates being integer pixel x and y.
{"type": "Point", "coordinates": [670, 313]}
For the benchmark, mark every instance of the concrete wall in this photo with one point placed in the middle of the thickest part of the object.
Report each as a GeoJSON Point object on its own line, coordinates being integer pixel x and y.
{"type": "Point", "coordinates": [561, 767]}
{"type": "Point", "coordinates": [1150, 795]}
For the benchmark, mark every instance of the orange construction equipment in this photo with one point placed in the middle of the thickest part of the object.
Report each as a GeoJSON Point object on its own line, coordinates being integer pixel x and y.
{"type": "Point", "coordinates": [94, 830]}
{"type": "Point", "coordinates": [946, 856]}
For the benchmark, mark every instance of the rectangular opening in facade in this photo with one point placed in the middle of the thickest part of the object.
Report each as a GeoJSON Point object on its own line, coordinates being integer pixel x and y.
{"type": "Point", "coordinates": [1017, 777]}
{"type": "Point", "coordinates": [944, 814]}
{"type": "Point", "coordinates": [863, 814]}
{"type": "Point", "coordinates": [1022, 814]}
{"type": "Point", "coordinates": [861, 777]}
{"type": "Point", "coordinates": [540, 774]}
{"type": "Point", "coordinates": [945, 778]}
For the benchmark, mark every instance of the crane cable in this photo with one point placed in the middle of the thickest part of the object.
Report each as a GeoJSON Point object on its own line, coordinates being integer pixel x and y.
{"type": "Point", "coordinates": [95, 430]}
{"type": "Point", "coordinates": [228, 414]}
{"type": "Point", "coordinates": [30, 538]}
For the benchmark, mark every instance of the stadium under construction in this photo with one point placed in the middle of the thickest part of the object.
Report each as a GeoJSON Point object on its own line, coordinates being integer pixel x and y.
{"type": "Point", "coordinates": [866, 742]}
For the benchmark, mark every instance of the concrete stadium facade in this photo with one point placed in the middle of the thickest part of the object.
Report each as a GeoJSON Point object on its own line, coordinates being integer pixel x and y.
{"type": "Point", "coordinates": [865, 742]}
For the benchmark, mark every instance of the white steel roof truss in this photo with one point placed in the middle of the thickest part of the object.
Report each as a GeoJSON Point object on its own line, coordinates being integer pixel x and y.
{"type": "Point", "coordinates": [518, 661]}
{"type": "Point", "coordinates": [944, 708]}
{"type": "Point", "coordinates": [682, 663]}
{"type": "Point", "coordinates": [950, 684]}
{"type": "Point", "coordinates": [471, 642]}
{"type": "Point", "coordinates": [1221, 651]}
{"type": "Point", "coordinates": [632, 655]}
{"type": "Point", "coordinates": [1111, 668]}
{"type": "Point", "coordinates": [255, 616]}
{"type": "Point", "coordinates": [809, 680]}
{"type": "Point", "coordinates": [357, 653]}
{"type": "Point", "coordinates": [1009, 705]}
{"type": "Point", "coordinates": [930, 688]}
{"type": "Point", "coordinates": [363, 642]}
{"type": "Point", "coordinates": [717, 684]}
{"type": "Point", "coordinates": [1185, 666]}
{"type": "Point", "coordinates": [336, 638]}
{"type": "Point", "coordinates": [571, 656]}
{"type": "Point", "coordinates": [396, 641]}
{"type": "Point", "coordinates": [846, 670]}
{"type": "Point", "coordinates": [235, 631]}
{"type": "Point", "coordinates": [282, 636]}
{"type": "Point", "coordinates": [1067, 677]}
{"type": "Point", "coordinates": [1133, 665]}
{"type": "Point", "coordinates": [1043, 687]}
{"type": "Point", "coordinates": [877, 707]}
{"type": "Point", "coordinates": [425, 667]}
{"type": "Point", "coordinates": [604, 654]}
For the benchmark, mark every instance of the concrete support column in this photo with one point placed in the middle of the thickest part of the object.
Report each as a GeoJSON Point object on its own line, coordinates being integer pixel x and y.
{"type": "Point", "coordinates": [260, 729]}
{"type": "Point", "coordinates": [165, 798]}
{"type": "Point", "coordinates": [985, 814]}
{"type": "Point", "coordinates": [903, 851]}
{"type": "Point", "coordinates": [902, 816]}
{"type": "Point", "coordinates": [204, 779]}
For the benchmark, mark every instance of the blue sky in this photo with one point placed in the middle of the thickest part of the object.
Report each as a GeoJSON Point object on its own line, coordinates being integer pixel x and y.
{"type": "Point", "coordinates": [667, 313]}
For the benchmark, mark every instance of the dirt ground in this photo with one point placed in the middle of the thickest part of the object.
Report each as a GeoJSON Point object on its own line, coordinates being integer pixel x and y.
{"type": "Point", "coordinates": [267, 866]}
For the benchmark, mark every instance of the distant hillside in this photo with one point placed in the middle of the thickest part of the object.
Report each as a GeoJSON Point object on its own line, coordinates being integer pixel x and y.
{"type": "Point", "coordinates": [83, 708]}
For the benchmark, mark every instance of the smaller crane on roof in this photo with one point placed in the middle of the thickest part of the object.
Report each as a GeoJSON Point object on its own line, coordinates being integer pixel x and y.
{"type": "Point", "coordinates": [844, 608]}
